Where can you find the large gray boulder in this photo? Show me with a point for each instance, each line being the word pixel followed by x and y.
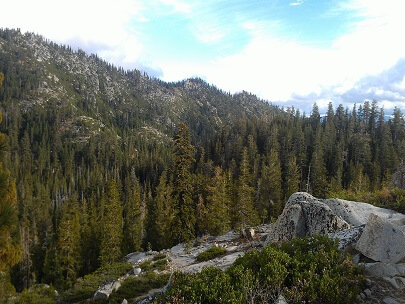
pixel 382 240
pixel 304 215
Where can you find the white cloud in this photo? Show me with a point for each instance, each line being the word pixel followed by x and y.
pixel 296 3
pixel 178 6
pixel 102 24
pixel 279 70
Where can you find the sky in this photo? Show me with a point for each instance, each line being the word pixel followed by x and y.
pixel 289 52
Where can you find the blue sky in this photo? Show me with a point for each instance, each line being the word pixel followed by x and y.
pixel 292 52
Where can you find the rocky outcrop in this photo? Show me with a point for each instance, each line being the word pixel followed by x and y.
pixel 304 215
pixel 382 240
pixel 374 235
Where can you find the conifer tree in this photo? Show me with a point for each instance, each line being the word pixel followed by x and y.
pixel 69 241
pixel 274 179
pixel 245 214
pixel 183 225
pixel 133 223
pixel 163 215
pixel 218 217
pixel 10 251
pixel 111 234
pixel 318 180
pixel 292 176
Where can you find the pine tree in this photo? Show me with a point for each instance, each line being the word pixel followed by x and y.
pixel 218 217
pixel 163 215
pixel 245 214
pixel 292 176
pixel 318 182
pixel 133 223
pixel 183 225
pixel 274 180
pixel 69 241
pixel 10 251
pixel 112 225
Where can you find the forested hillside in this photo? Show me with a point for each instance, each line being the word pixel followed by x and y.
pixel 108 161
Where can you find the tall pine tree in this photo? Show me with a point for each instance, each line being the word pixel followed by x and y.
pixel 112 225
pixel 183 225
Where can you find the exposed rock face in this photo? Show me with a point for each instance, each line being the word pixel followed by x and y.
pixel 398 178
pixel 304 215
pixel 382 241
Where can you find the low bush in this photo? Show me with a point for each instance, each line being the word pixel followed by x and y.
pixel 137 286
pixel 210 254
pixel 85 287
pixel 159 256
pixel 309 270
pixel 39 294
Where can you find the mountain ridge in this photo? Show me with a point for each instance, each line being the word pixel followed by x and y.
pixel 45 72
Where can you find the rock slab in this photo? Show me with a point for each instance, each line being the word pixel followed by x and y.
pixel 382 241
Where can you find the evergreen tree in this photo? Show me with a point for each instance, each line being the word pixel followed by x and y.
pixel 112 225
pixel 218 217
pixel 10 251
pixel 318 181
pixel 184 208
pixel 292 176
pixel 245 214
pixel 133 223
pixel 162 216
pixel 69 241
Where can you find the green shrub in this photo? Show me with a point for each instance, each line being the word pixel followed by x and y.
pixel 136 286
pixel 85 287
pixel 309 270
pixel 38 294
pixel 159 256
pixel 210 254
pixel 391 198
pixel 150 265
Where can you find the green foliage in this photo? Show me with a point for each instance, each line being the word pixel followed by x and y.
pixel 159 264
pixel 184 209
pixel 134 287
pixel 309 270
pixel 245 214
pixel 391 198
pixel 211 253
pixel 218 204
pixel 84 288
pixel 38 294
pixel 82 137
pixel 69 241
pixel 159 256
pixel 112 226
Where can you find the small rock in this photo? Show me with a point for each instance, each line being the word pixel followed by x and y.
pixel 100 295
pixel 385 269
pixel 362 296
pixel 367 293
pixel 281 300
pixel 389 300
pixel 392 281
pixel 124 301
pixel 369 283
pixel 356 258
pixel 136 271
